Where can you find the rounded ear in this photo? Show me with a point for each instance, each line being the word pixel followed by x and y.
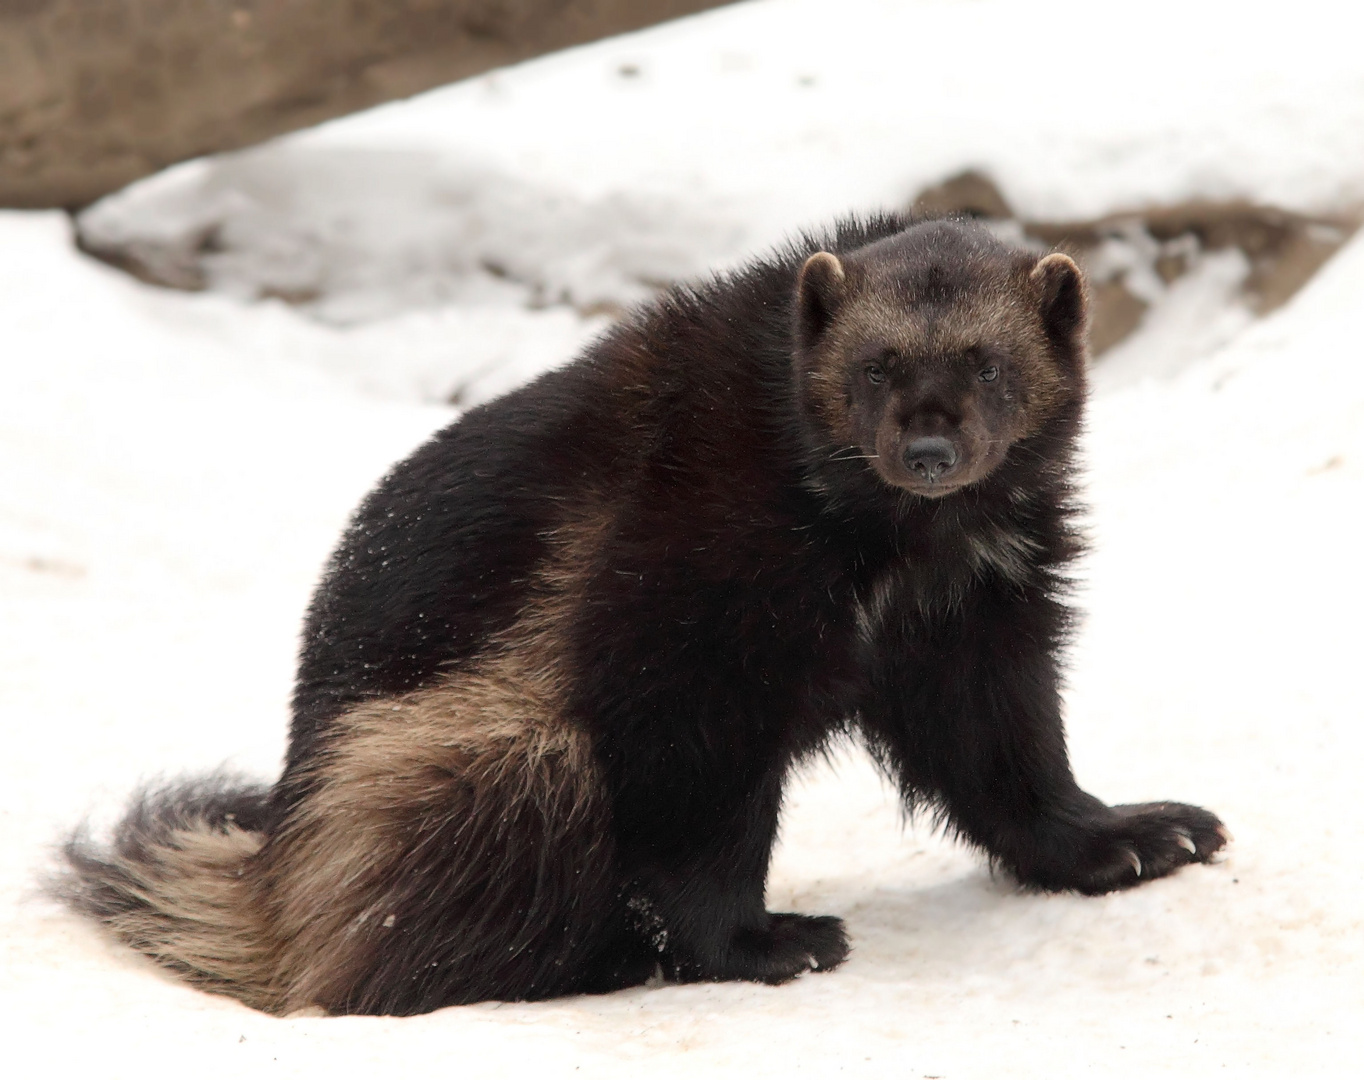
pixel 1061 295
pixel 819 292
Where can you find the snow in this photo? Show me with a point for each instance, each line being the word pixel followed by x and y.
pixel 175 467
pixel 586 177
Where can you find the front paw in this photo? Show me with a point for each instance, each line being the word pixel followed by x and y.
pixel 807 942
pixel 1124 846
pixel 789 945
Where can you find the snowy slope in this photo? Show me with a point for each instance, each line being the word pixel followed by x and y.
pixel 577 183
pixel 174 468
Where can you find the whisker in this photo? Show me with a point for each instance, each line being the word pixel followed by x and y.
pixel 852 453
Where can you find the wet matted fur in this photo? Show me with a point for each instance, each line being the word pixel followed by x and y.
pixel 564 658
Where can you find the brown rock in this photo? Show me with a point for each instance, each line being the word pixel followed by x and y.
pixel 95 94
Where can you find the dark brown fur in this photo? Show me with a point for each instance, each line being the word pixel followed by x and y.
pixel 568 652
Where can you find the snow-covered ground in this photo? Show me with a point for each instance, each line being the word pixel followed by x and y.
pixel 175 467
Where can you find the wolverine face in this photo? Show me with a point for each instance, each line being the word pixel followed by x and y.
pixel 933 423
pixel 931 353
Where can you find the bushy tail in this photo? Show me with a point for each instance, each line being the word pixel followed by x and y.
pixel 174 885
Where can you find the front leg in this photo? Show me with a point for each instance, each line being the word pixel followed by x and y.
pixel 964 709
pixel 694 755
pixel 696 891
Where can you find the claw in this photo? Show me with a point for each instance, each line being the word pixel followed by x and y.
pixel 1185 841
pixel 1225 834
pixel 1134 859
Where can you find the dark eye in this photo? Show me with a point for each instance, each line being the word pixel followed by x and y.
pixel 990 374
pixel 875 373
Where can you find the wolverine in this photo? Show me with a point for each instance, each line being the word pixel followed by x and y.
pixel 559 668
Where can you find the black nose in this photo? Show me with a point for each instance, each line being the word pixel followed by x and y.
pixel 929 457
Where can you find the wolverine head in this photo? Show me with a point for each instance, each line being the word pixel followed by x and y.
pixel 932 352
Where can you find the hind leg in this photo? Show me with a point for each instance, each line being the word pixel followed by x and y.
pixel 448 846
